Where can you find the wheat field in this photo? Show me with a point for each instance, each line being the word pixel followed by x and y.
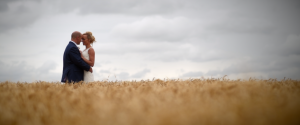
pixel 158 102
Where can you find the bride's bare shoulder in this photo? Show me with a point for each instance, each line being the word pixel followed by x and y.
pixel 91 50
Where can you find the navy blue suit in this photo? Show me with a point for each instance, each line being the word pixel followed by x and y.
pixel 73 65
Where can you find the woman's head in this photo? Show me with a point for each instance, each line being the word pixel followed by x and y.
pixel 88 38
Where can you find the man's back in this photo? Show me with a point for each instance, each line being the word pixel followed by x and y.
pixel 73 65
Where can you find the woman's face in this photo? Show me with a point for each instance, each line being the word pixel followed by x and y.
pixel 85 40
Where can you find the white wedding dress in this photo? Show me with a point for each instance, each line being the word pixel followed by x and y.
pixel 87 75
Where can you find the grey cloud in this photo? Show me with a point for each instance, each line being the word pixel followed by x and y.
pixel 193 74
pixel 22 71
pixel 240 12
pixel 155 29
pixel 19 14
pixel 126 75
pixel 168 56
pixel 273 67
pixel 244 28
pixel 274 59
pixel 267 32
pixel 15 71
pixel 3 5
pixel 47 66
pixel 253 8
pixel 167 52
pixel 228 47
pixel 141 73
pixel 247 26
pixel 136 7
pixel 104 71
pixel 230 17
pixel 291 45
pixel 123 75
pixel 281 45
pixel 136 47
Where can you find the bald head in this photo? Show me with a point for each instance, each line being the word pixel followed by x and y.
pixel 76 37
pixel 75 34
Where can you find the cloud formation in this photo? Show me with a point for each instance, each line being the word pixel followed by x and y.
pixel 22 71
pixel 230 37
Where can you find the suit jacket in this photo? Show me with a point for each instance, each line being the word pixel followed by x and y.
pixel 73 64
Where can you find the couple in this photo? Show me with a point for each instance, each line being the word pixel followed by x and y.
pixel 77 65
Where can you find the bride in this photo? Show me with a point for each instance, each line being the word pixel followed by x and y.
pixel 88 55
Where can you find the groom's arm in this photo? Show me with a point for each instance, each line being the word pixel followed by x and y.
pixel 76 58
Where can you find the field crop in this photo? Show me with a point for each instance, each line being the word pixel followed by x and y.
pixel 157 102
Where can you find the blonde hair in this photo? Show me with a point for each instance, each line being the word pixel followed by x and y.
pixel 90 36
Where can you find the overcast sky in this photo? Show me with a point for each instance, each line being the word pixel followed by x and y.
pixel 142 39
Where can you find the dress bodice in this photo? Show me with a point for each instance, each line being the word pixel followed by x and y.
pixel 85 53
pixel 87 75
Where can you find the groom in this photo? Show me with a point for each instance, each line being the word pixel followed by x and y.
pixel 73 65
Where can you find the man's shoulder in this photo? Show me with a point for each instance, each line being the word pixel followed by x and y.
pixel 71 45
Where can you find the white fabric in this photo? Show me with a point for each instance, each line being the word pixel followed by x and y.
pixel 87 75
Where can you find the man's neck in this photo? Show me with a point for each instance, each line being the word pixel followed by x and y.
pixel 74 42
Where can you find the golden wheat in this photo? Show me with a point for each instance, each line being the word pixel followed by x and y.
pixel 158 102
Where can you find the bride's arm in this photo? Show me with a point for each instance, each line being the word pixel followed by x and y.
pixel 91 56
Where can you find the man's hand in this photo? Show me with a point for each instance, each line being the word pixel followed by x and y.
pixel 91 70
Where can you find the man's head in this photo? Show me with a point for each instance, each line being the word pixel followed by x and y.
pixel 76 37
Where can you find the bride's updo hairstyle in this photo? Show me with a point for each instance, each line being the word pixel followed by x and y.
pixel 90 36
